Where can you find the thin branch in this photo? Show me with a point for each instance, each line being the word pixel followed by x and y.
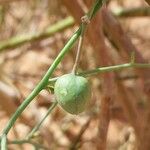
pixel 132 12
pixel 85 21
pixel 28 38
pixel 36 128
pixel 78 55
pixel 114 68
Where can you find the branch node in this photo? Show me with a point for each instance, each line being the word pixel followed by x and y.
pixel 85 19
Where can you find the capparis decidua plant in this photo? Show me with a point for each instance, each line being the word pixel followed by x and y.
pixel 72 91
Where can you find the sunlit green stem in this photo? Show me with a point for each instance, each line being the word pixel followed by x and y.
pixel 113 68
pixel 4 142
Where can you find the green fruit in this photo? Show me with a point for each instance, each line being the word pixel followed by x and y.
pixel 72 93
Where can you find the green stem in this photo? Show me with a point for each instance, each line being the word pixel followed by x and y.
pixel 106 69
pixel 4 142
pixel 22 39
pixel 42 83
pixel 113 68
pixel 36 128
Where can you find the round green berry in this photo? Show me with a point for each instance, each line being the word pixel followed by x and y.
pixel 72 93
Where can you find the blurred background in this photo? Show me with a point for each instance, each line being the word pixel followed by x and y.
pixel 32 33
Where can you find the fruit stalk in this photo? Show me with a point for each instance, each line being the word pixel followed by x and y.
pixel 85 21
